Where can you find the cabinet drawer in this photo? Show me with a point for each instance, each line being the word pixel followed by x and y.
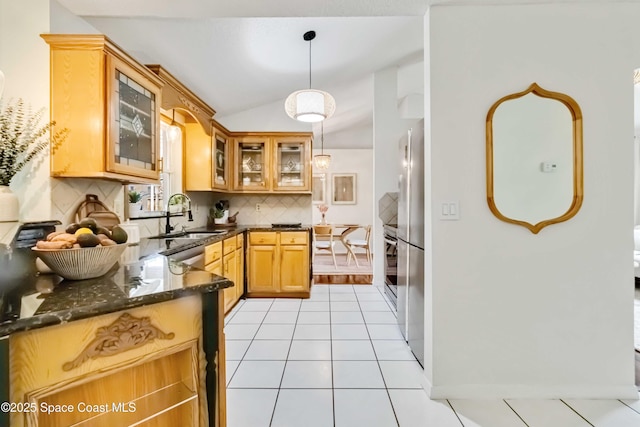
pixel 262 238
pixel 229 245
pixel 212 252
pixel 294 238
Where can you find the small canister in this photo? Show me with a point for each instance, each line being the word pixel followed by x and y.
pixel 133 231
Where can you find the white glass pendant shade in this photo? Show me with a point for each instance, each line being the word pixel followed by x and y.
pixel 322 161
pixel 310 105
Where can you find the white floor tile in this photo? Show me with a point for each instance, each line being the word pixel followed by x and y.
pixel 414 409
pixel 367 289
pixel 374 306
pixel 270 331
pixel 307 374
pixel 334 289
pixel 239 331
pixel 281 317
pixel 353 350
pixel 380 317
pixel 346 317
pixel 316 297
pixel 268 350
pixel 258 374
pixel 314 306
pixel 247 317
pixel 345 306
pixel 384 332
pixel 308 408
pixel 349 332
pixel 235 349
pixel 634 404
pixel 370 296
pixel 370 408
pixel 286 305
pixel 230 369
pixel 312 332
pixel 546 413
pixel 485 412
pixel 310 350
pixel 402 374
pixel 339 296
pixel 605 413
pixel 314 318
pixel 256 304
pixel 319 289
pixel 250 408
pixel 392 350
pixel 356 374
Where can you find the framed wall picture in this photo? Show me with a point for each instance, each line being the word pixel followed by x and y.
pixel 344 189
pixel 319 189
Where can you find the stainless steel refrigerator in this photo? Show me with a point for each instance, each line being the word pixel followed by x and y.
pixel 411 240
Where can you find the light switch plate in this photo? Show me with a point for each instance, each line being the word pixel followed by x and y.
pixel 449 210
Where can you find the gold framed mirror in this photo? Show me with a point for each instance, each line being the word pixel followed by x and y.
pixel 534 158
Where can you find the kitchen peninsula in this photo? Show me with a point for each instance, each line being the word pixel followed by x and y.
pixel 153 324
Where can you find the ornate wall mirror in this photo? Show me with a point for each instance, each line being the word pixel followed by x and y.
pixel 534 158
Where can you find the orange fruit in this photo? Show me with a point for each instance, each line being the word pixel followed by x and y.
pixel 83 230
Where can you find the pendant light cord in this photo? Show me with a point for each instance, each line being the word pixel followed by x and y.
pixel 309 64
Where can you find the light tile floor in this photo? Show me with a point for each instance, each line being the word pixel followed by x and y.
pixel 338 359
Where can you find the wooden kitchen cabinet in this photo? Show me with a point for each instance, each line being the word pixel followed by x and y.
pixel 278 264
pixel 233 269
pixel 272 162
pixel 221 161
pixel 111 106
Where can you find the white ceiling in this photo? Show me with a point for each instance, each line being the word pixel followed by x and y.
pixel 240 55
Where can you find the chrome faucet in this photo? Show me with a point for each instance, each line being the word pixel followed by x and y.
pixel 168 228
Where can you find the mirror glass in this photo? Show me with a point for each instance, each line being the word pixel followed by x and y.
pixel 534 158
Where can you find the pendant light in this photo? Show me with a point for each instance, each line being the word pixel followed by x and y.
pixel 174 129
pixel 322 161
pixel 310 105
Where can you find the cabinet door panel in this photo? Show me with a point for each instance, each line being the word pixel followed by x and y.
pixel 240 274
pixel 214 267
pixel 252 163
pixel 221 161
pixel 230 270
pixel 262 269
pixel 294 268
pixel 292 164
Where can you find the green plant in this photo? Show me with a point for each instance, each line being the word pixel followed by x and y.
pixel 22 138
pixel 218 210
pixel 134 196
pixel 177 199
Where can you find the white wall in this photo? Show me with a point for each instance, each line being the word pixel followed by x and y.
pixel 388 128
pixel 516 314
pixel 360 162
pixel 24 59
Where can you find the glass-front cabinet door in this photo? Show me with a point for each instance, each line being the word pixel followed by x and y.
pixel 134 122
pixel 292 164
pixel 220 161
pixel 251 157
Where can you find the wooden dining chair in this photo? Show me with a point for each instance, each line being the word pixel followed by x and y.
pixel 360 243
pixel 323 241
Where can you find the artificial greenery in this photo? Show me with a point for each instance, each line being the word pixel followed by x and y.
pixel 134 196
pixel 218 209
pixel 22 138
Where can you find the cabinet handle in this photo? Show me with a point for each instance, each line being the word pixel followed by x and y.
pixel 293 240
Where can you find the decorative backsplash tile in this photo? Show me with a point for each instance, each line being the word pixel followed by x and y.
pixel 68 193
pixel 273 208
pixel 388 208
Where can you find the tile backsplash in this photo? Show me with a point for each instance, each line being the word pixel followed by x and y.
pixel 388 208
pixel 68 193
pixel 273 208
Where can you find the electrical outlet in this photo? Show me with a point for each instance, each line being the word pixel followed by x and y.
pixel 258 207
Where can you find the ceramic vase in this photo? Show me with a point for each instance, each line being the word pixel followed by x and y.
pixel 324 221
pixel 10 210
pixel 135 209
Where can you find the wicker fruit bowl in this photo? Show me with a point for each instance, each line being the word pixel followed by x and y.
pixel 81 263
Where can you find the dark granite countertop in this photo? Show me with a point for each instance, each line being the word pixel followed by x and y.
pixel 30 300
pixel 145 275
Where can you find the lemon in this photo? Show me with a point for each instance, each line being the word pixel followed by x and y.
pixel 83 230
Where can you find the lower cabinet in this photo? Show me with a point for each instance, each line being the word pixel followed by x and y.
pixel 227 260
pixel 156 351
pixel 278 264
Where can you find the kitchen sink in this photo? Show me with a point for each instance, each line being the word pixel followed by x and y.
pixel 190 235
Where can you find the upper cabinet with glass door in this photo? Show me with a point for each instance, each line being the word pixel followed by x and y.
pixel 221 161
pixel 292 163
pixel 110 104
pixel 252 163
